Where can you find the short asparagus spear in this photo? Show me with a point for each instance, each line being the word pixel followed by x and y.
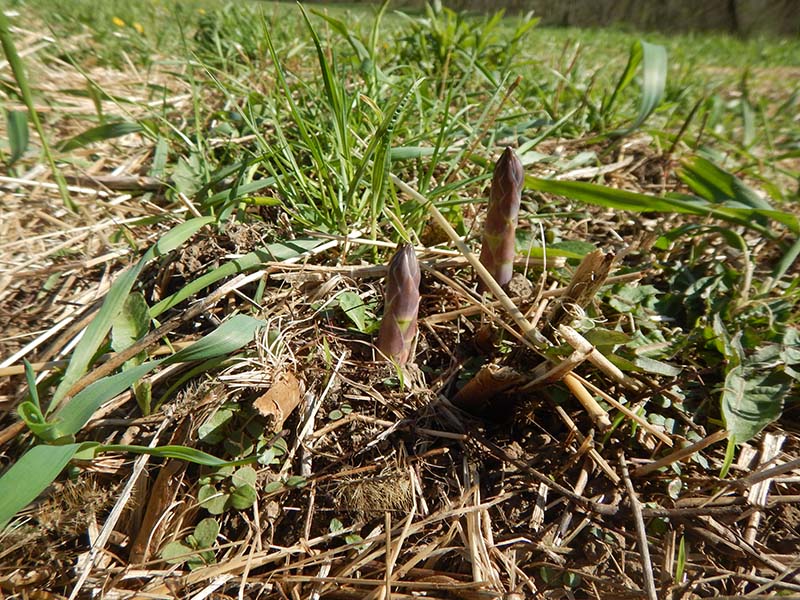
pixel 399 324
pixel 498 250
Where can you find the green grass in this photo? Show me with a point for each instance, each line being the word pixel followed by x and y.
pixel 296 119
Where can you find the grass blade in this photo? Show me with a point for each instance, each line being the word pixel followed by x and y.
pixel 18 69
pixel 30 475
pixel 17 125
pixel 278 252
pixel 718 185
pixel 228 337
pixel 624 200
pixel 653 59
pixel 96 332
pixel 100 133
pixel 185 453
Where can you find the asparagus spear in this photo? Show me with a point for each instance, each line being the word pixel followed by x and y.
pixel 399 324
pixel 505 194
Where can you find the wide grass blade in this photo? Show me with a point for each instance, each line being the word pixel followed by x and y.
pixel 30 475
pixel 38 467
pixel 95 333
pixel 100 133
pixel 228 337
pixel 185 453
pixel 653 60
pixel 277 252
pixel 718 185
pixel 17 125
pixel 624 200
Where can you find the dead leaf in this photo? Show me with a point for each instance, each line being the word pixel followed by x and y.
pixel 278 402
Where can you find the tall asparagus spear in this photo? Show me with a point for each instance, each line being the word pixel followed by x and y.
pixel 505 194
pixel 399 324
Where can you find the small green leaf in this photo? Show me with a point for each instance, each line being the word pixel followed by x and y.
pixel 206 532
pixel 188 175
pixel 245 476
pixel 355 309
pixel 17 126
pixel 244 492
pixel 606 337
pixel 210 498
pixel 296 481
pixel 571 579
pixel 335 525
pixel 242 497
pixel 176 553
pixel 273 486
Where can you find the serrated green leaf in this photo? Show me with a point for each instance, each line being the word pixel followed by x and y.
pixel 30 475
pixel 606 337
pixel 752 398
pixel 17 126
pixel 100 133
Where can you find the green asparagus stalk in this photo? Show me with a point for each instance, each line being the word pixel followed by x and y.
pixel 399 324
pixel 499 247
